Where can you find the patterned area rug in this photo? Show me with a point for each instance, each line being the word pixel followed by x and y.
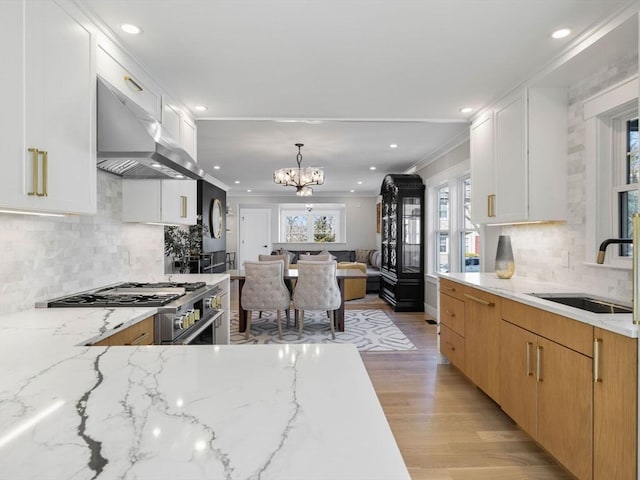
pixel 368 330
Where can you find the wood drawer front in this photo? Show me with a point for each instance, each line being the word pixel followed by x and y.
pixel 109 69
pixel 452 346
pixel 139 334
pixel 453 289
pixel 565 331
pixel 452 313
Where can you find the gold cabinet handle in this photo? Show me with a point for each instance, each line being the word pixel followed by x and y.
pixel 450 346
pixel 35 154
pixel 127 78
pixel 45 174
pixel 449 289
pixel 528 358
pixel 538 366
pixel 183 201
pixel 596 360
pixel 450 314
pixel 479 300
pixel 491 205
pixel 139 340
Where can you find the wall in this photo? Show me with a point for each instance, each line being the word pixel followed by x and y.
pixel 361 219
pixel 537 248
pixel 47 257
pixel 206 194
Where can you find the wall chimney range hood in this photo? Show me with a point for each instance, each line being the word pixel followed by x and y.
pixel 132 144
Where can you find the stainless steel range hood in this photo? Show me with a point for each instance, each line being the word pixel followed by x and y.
pixel 132 144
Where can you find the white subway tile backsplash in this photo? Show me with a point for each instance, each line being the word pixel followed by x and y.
pixel 45 257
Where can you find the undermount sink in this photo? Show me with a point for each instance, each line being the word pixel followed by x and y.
pixel 589 303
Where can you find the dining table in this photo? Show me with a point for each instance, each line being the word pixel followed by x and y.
pixel 290 274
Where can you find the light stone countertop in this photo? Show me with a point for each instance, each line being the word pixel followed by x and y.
pixel 185 412
pixel 517 288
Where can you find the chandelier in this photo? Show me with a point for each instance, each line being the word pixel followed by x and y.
pixel 299 177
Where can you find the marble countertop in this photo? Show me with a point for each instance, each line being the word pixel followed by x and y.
pixel 518 288
pixel 190 412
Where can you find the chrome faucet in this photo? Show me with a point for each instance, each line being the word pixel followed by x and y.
pixel 607 242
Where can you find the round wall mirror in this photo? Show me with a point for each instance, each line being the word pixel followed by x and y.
pixel 215 218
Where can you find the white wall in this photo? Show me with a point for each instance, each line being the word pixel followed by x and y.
pixel 46 257
pixel 360 211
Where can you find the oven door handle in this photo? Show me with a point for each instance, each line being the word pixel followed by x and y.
pixel 197 328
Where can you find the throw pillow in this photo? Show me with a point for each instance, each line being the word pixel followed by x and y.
pixel 315 258
pixel 376 259
pixel 291 255
pixel 362 256
pixel 327 253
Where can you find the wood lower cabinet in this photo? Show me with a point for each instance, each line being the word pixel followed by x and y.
pixel 139 334
pixel 482 340
pixel 615 414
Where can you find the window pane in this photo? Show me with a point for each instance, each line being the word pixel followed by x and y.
pixel 466 199
pixel 628 206
pixel 471 252
pixel 296 228
pixel 633 161
pixel 443 252
pixel 324 228
pixel 443 208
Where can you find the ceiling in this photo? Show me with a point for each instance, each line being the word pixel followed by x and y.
pixel 347 78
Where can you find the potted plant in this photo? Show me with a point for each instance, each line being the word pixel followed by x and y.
pixel 183 242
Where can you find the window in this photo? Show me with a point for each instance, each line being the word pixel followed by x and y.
pixel 627 165
pixel 324 223
pixel 470 238
pixel 442 230
pixel 453 241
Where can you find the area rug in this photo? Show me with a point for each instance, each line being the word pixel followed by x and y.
pixel 368 330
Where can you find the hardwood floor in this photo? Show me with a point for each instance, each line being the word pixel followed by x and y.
pixel 446 428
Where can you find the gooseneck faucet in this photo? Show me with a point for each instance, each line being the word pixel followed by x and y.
pixel 607 242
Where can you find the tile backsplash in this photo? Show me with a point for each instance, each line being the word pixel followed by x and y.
pixel 46 257
pixel 538 248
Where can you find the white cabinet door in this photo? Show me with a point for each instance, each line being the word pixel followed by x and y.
pixel 511 161
pixel 159 201
pixel 171 120
pixel 188 136
pixel 482 170
pixel 57 107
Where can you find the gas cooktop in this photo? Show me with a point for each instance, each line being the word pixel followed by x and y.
pixel 131 294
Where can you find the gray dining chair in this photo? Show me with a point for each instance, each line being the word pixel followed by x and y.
pixel 316 289
pixel 264 290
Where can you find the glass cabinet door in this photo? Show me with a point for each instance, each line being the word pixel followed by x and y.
pixel 411 228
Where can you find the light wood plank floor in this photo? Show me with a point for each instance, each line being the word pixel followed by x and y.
pixel 446 428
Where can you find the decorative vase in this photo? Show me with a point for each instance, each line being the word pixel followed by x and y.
pixel 504 265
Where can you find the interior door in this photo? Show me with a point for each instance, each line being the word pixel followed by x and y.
pixel 255 234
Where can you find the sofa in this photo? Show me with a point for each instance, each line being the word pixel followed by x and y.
pixel 370 258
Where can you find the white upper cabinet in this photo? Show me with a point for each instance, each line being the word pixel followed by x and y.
pixel 47 83
pixel 159 201
pixel 188 136
pixel 131 84
pixel 180 126
pixel 519 159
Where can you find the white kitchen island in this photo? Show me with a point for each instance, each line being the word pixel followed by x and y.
pixel 69 411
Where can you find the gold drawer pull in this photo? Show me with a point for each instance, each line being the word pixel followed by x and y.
pixel 538 366
pixel 450 289
pixel 528 358
pixel 183 203
pixel 127 78
pixel 139 340
pixel 451 314
pixel 45 174
pixel 450 345
pixel 479 300
pixel 34 187
pixel 596 360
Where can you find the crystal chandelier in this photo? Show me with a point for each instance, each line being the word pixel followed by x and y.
pixel 299 177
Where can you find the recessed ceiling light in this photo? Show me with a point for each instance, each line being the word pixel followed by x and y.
pixel 562 33
pixel 156 165
pixel 237 181
pixel 249 191
pixel 466 110
pixel 130 28
pixel 352 191
pixel 372 168
pixel 200 108
pixel 179 176
pixel 393 145
pixel 359 182
pixel 216 167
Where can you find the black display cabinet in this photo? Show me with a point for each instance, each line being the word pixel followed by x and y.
pixel 402 236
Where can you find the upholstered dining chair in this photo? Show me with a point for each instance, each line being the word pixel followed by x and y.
pixel 287 283
pixel 264 290
pixel 316 289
